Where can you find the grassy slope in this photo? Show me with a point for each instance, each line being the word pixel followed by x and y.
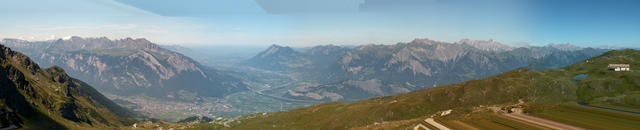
pixel 542 87
pixel 584 117
pixel 48 91
pixel 486 120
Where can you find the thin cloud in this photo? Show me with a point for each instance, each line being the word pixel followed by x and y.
pixel 88 27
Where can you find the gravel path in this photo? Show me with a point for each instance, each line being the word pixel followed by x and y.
pixel 436 124
pixel 421 127
pixel 543 122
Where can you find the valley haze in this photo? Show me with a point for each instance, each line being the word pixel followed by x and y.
pixel 319 64
pixel 168 84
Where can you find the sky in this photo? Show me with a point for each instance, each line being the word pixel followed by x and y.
pixel 591 23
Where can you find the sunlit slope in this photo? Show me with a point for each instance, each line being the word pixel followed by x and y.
pixel 35 98
pixel 557 86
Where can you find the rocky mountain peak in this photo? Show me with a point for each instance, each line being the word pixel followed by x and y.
pixel 276 50
pixel 424 41
pixel 56 69
pixel 138 42
pixel 326 50
pixel 566 46
pixel 276 47
pixel 279 58
pixel 74 38
pixel 488 45
pixel 13 40
pixel 79 43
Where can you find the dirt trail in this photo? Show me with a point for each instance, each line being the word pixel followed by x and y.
pixel 420 127
pixel 436 124
pixel 543 122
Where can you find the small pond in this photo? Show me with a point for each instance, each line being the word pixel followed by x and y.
pixel 580 76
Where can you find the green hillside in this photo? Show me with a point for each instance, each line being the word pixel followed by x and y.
pixel 598 86
pixel 36 98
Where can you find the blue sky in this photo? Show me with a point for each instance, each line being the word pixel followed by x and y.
pixel 312 22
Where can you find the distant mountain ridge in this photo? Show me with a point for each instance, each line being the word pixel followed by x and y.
pixel 129 67
pixel 279 58
pixel 376 70
pixel 36 98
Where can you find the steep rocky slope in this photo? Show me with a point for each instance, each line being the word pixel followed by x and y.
pixel 47 98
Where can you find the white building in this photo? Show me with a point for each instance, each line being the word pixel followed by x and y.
pixel 619 67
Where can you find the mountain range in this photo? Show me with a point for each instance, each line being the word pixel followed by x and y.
pixel 129 67
pixel 349 74
pixel 478 76
pixel 555 94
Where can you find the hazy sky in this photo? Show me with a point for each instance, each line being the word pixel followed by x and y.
pixel 312 22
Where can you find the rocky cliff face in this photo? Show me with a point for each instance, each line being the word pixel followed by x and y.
pixel 375 70
pixel 50 99
pixel 128 66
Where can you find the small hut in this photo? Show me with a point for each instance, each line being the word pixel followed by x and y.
pixel 619 67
